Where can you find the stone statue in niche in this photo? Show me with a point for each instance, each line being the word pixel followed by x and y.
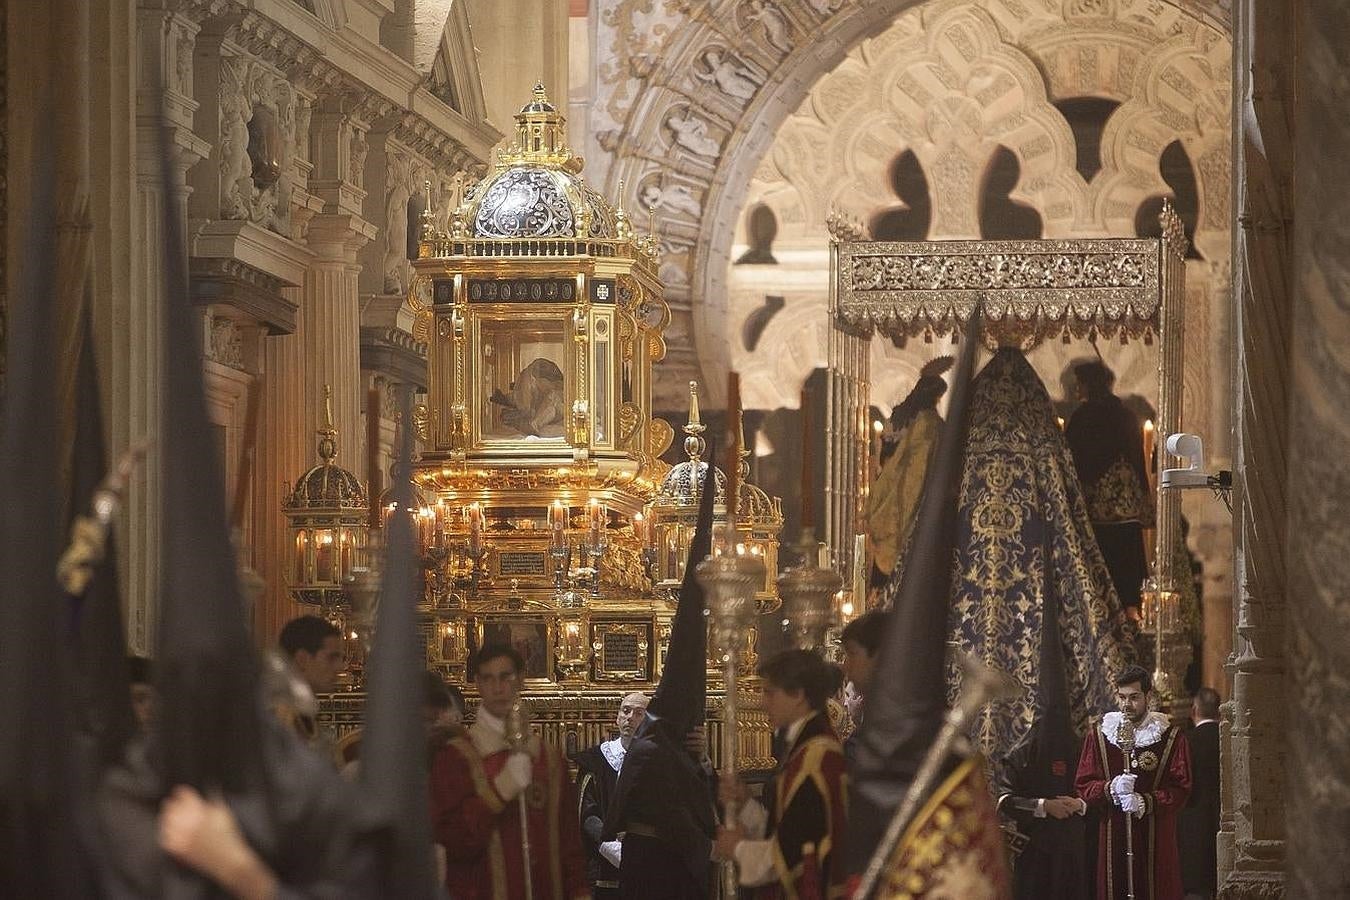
pixel 396 222
pixel 359 150
pixel 691 133
pixel 732 78
pixel 775 24
pixel 676 197
pixel 183 63
pixel 235 165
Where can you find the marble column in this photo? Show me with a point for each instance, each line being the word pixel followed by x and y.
pixel 1318 689
pixel 1252 852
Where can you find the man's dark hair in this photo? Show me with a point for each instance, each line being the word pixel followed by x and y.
pixel 1135 675
pixel 140 670
pixel 1096 379
pixel 1207 702
pixel 306 633
pixel 802 670
pixel 868 630
pixel 488 652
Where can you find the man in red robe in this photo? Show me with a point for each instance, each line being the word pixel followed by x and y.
pixel 1149 784
pixel 477 782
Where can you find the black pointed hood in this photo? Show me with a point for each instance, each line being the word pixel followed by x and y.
pixel 207 675
pixel 103 685
pixel 1054 746
pixel 394 789
pixel 907 700
pixel 681 698
pixel 40 853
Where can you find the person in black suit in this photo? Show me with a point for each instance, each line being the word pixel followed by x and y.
pixel 1199 822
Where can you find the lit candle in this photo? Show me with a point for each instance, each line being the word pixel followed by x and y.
pixel 807 519
pixel 733 498
pixel 1059 420
pixel 640 529
pixel 323 556
pixel 1148 445
pixel 557 522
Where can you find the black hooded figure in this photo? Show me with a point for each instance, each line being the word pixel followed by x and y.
pixel 663 805
pixel 1036 789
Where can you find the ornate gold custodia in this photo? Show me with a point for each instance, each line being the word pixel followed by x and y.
pixel 545 507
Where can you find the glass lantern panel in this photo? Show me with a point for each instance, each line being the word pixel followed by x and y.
pixel 522 394
pixel 300 575
pixel 325 556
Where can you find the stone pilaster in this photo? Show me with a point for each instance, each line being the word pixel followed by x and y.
pixel 1318 779
pixel 1253 852
pixel 330 312
pixel 285 454
pixel 164 45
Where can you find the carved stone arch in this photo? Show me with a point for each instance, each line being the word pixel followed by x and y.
pixel 649 54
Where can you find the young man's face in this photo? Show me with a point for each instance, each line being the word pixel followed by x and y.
pixel 498 684
pixel 1132 701
pixel 322 668
pixel 629 717
pixel 858 665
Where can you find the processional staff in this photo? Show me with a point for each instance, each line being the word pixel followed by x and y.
pixel 1125 740
pixel 730 577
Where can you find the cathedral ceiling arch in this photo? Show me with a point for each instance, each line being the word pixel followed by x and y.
pixel 691 95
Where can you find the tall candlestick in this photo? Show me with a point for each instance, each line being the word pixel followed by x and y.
pixel 475 527
pixel 807 519
pixel 373 454
pixel 640 529
pixel 734 447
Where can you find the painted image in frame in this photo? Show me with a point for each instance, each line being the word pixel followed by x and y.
pixel 529 638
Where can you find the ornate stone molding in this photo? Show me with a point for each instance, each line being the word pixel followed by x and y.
pixel 252 293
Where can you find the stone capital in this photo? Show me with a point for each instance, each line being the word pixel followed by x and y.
pixel 338 236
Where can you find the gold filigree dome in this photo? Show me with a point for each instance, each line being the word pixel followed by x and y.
pixel 327 485
pixel 536 189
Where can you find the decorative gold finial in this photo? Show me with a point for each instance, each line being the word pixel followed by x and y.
pixel 694 444
pixel 428 220
pixel 327 433
pixel 743 454
pixel 623 227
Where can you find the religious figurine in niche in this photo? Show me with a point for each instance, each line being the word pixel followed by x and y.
pixel 535 406
pixel 731 78
pixel 691 133
pixel 775 25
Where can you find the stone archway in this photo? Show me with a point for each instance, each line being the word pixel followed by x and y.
pixel 688 101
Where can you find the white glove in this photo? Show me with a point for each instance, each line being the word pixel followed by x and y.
pixel 1132 803
pixel 515 776
pixel 611 851
pixel 1123 785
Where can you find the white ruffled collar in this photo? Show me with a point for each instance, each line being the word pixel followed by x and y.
pixel 614 752
pixel 1146 734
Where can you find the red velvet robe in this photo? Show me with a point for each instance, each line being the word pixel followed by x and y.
pixel 809 817
pixel 1164 779
pixel 481 832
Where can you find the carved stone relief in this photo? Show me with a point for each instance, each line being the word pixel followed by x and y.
pixel 258 128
